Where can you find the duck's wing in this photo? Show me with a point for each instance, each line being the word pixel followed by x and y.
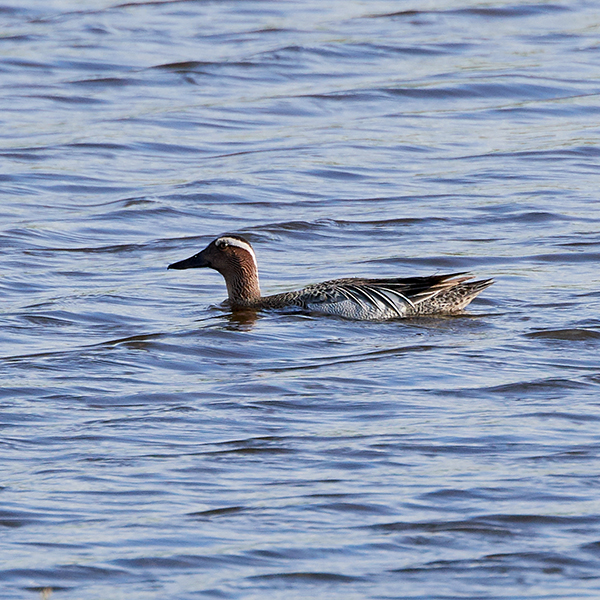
pixel 375 298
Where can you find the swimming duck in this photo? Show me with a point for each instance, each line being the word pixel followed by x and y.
pixel 353 298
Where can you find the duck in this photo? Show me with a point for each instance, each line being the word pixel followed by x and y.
pixel 354 298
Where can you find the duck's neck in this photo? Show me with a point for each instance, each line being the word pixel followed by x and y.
pixel 242 285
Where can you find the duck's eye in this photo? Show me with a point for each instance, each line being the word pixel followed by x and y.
pixel 222 244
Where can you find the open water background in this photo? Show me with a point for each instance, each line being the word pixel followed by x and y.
pixel 153 446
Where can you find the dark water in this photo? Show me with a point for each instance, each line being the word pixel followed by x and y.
pixel 155 446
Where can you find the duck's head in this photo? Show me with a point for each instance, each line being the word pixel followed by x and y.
pixel 233 257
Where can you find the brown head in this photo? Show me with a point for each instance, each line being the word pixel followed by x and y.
pixel 234 258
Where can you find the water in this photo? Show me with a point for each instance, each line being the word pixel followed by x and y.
pixel 156 446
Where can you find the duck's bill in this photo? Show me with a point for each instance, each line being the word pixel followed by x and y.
pixel 193 262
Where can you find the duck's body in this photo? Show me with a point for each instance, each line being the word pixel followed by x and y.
pixel 353 298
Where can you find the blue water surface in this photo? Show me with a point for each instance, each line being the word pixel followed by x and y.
pixel 153 444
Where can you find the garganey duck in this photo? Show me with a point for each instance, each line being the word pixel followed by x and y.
pixel 352 298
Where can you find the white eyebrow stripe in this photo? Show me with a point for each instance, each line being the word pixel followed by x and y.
pixel 240 244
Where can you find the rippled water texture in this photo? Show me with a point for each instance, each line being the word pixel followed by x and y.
pixel 155 446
